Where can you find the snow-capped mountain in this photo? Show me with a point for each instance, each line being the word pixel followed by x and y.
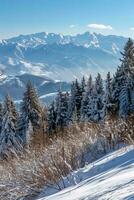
pixel 87 39
pixel 49 56
pixel 60 57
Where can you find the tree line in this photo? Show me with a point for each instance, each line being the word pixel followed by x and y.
pixel 16 127
pixel 88 100
pixel 95 100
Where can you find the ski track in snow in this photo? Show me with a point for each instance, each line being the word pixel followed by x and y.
pixel 109 178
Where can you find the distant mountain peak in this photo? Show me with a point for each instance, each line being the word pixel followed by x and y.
pixel 46 57
pixel 60 56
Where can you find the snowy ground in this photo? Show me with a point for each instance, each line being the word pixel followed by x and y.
pixel 109 178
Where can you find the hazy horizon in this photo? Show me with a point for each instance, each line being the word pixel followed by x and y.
pixel 64 34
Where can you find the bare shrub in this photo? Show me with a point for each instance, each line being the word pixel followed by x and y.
pixel 45 163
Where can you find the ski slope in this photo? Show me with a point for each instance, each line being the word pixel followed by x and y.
pixel 109 178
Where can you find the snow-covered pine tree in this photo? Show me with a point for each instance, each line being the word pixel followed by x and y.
pixel 130 76
pixel 86 97
pixel 9 141
pixel 124 103
pixel 1 115
pixel 78 99
pixel 51 118
pixel 71 103
pixel 92 110
pixel 83 85
pixel 99 85
pixel 123 82
pixel 98 96
pixel 64 110
pixel 13 108
pixel 108 95
pixel 89 82
pixel 91 104
pixel 31 112
pixel 61 110
pixel 114 110
pixel 14 111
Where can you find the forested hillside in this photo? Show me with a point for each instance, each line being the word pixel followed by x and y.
pixel 39 144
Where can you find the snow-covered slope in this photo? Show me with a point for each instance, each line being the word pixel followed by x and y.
pixel 109 178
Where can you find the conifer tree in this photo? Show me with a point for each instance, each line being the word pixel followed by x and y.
pixel 98 95
pixel 71 103
pixel 13 108
pixel 83 85
pixel 61 110
pixel 89 82
pixel 86 97
pixel 9 141
pixel 91 109
pixel 78 99
pixel 123 82
pixel 1 115
pixel 108 94
pixel 51 118
pixel 31 112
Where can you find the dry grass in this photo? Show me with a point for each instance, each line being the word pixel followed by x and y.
pixel 47 160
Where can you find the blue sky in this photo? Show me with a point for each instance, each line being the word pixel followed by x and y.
pixel 66 16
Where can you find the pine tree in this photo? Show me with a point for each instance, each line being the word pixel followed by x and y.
pixel 51 118
pixel 98 97
pixel 124 105
pixel 1 115
pixel 123 82
pixel 86 100
pixel 13 109
pixel 31 112
pixel 99 85
pixel 91 103
pixel 108 95
pixel 90 82
pixel 61 110
pixel 9 141
pixel 83 85
pixel 78 99
pixel 71 103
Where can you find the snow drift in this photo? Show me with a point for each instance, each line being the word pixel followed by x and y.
pixel 111 177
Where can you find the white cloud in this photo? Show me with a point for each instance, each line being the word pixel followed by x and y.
pixel 132 28
pixel 73 26
pixel 100 26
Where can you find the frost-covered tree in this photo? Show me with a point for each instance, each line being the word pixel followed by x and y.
pixel 78 99
pixel 31 111
pixel 61 110
pixel 91 104
pixel 98 97
pixel 13 108
pixel 51 118
pixel 71 103
pixel 89 82
pixel 123 82
pixel 9 141
pixel 83 85
pixel 86 97
pixel 1 115
pixel 108 94
pixel 99 85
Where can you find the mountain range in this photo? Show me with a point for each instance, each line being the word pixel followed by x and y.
pixel 55 59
